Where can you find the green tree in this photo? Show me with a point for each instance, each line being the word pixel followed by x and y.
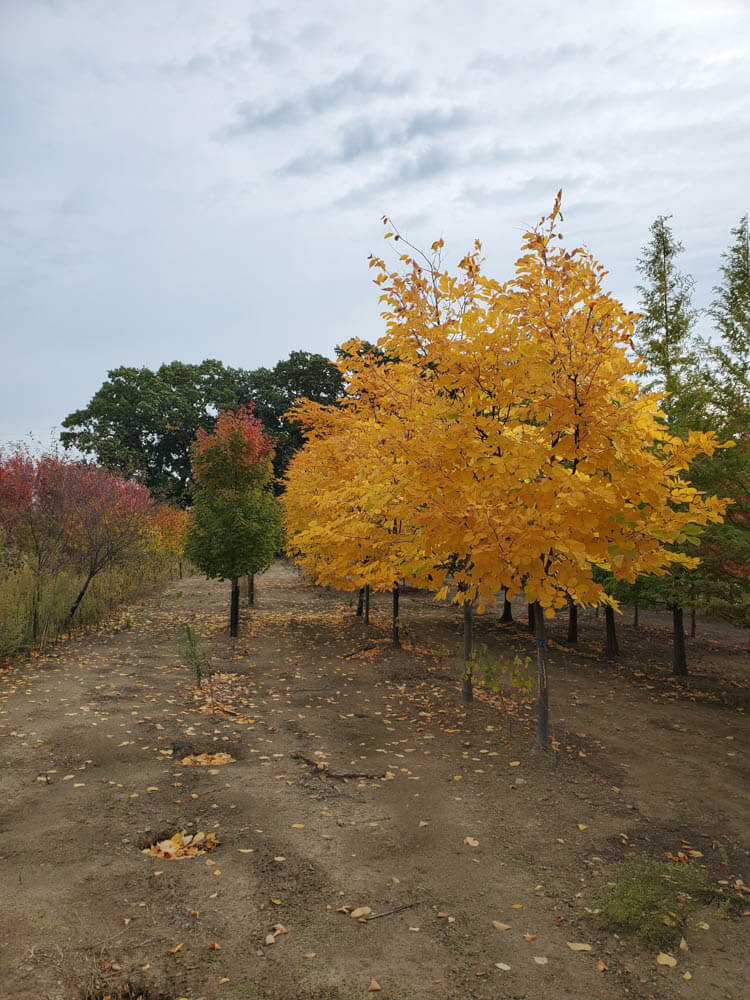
pixel 730 309
pixel 236 526
pixel 664 335
pixel 273 391
pixel 725 549
pixel 140 423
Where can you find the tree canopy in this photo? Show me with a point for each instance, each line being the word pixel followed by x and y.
pixel 140 423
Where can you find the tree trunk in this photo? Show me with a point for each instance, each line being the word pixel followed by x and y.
pixel 80 597
pixel 611 649
pixel 234 608
pixel 635 614
pixel 360 602
pixel 507 610
pixel 179 568
pixel 692 622
pixel 572 622
pixel 679 659
pixel 532 620
pixel 367 604
pixel 35 602
pixel 396 639
pixel 542 718
pixel 467 688
pixel 251 590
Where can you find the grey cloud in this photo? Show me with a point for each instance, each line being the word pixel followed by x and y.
pixel 347 88
pixel 431 162
pixel 565 52
pixel 360 137
pixel 437 160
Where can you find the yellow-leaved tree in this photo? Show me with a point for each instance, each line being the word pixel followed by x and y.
pixel 521 450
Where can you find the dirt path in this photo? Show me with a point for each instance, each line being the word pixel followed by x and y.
pixel 454 826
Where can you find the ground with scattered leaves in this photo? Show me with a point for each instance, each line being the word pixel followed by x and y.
pixel 368 832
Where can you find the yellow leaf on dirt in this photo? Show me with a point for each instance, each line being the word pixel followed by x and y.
pixel 298 826
pixel 500 927
pixel 471 842
pixel 541 959
pixel 177 947
pixel 245 850
pixel 687 975
pixel 373 987
pixel 361 911
pixel 663 959
pixel 223 980
pixel 269 939
pixel 515 763
pixel 601 966
pixel 582 826
pixel 516 906
pixel 578 946
pixel 214 946
pixel 684 946
pixel 309 954
pixel 503 966
pixel 529 937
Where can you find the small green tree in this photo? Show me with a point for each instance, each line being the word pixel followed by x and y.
pixel 236 526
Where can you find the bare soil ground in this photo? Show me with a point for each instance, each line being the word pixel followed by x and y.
pixel 360 780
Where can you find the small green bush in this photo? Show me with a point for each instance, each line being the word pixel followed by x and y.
pixel 651 900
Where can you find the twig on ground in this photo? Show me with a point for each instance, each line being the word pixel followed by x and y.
pixel 396 909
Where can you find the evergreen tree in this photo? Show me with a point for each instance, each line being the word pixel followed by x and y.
pixel 730 309
pixel 664 335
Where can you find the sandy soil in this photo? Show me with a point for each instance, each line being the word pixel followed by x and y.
pixel 445 817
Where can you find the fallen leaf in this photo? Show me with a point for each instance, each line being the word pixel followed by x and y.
pixel 516 906
pixel 529 937
pixel 276 902
pixel 173 951
pixel 309 954
pixel 223 980
pixel 245 850
pixel 541 959
pixel 214 946
pixel 687 975
pixel 578 946
pixel 515 763
pixel 663 959
pixel 601 966
pixel 684 946
pixel 424 822
pixel 503 966
pixel 500 927
pixel 361 911
pixel 298 826
pixel 269 939
pixel 373 987
pixel 206 759
pixel 279 929
pixel 471 842
pixel 582 826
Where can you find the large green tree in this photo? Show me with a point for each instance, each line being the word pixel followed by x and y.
pixel 273 391
pixel 140 423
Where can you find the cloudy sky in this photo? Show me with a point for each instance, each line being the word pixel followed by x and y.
pixel 183 179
